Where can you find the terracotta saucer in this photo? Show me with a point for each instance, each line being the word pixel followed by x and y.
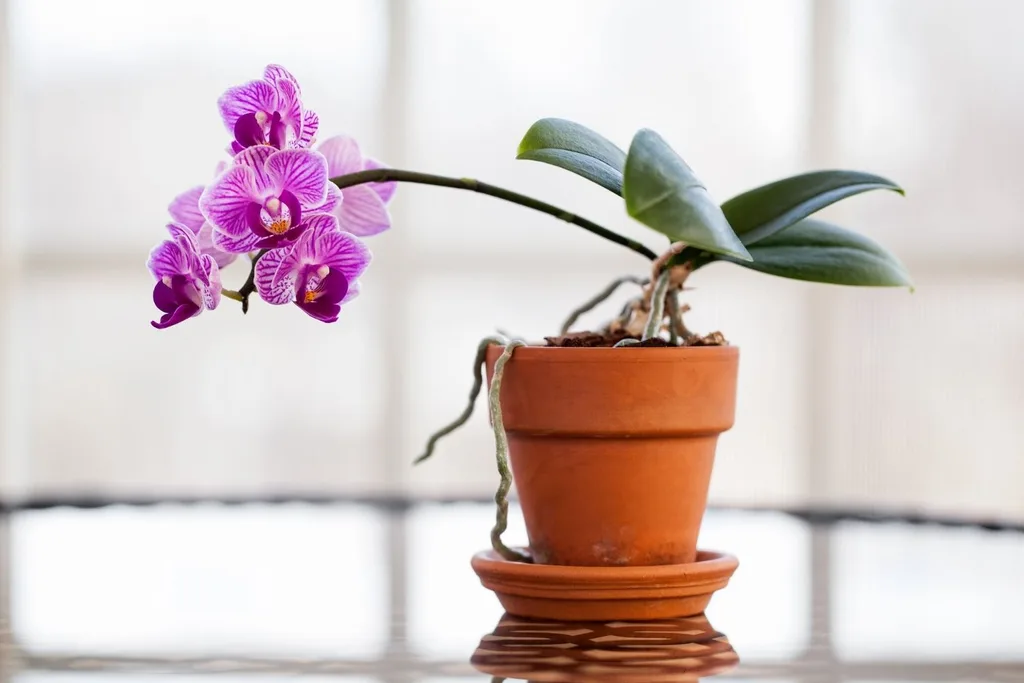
pixel 543 591
pixel 665 651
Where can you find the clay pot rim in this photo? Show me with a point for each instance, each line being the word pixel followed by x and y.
pixel 711 567
pixel 629 354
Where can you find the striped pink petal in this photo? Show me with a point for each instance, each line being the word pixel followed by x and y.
pixel 342 154
pixel 362 212
pixel 302 172
pixel 248 98
pixel 385 190
pixel 276 72
pixel 242 244
pixel 185 209
pixel 310 127
pixel 224 203
pixel 256 159
pixel 273 289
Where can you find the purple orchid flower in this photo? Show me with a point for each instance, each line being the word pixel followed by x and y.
pixel 258 202
pixel 318 274
pixel 268 111
pixel 363 209
pixel 187 282
pixel 184 209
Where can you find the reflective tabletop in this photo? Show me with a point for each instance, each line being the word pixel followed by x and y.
pixel 383 591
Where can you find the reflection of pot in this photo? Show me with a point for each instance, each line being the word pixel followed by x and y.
pixel 670 651
pixel 612 448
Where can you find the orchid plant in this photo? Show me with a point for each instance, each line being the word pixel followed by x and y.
pixel 299 211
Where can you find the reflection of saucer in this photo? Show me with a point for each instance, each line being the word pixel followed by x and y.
pixel 545 591
pixel 668 651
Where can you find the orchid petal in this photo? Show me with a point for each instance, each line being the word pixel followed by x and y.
pixel 254 218
pixel 310 126
pixel 275 73
pixel 333 201
pixel 321 224
pixel 224 203
pixel 248 131
pixel 302 172
pixel 294 208
pixel 386 190
pixel 180 314
pixel 255 158
pixel 328 246
pixel 334 287
pixel 274 290
pixel 163 297
pixel 185 209
pixel 278 132
pixel 290 105
pixel 280 241
pixel 247 98
pixel 241 244
pixel 354 289
pixel 167 259
pixel 323 311
pixel 363 212
pixel 207 245
pixel 211 294
pixel 184 236
pixel 343 155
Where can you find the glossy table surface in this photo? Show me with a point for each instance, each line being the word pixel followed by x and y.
pixel 365 591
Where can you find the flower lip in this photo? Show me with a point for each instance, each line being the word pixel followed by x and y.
pixel 277 220
pixel 179 299
pixel 187 282
pixel 321 297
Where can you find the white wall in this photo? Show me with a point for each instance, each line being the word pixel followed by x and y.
pixel 847 396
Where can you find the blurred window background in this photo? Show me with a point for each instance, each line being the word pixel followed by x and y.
pixel 847 396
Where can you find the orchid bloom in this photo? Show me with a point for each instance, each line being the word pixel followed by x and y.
pixel 184 209
pixel 268 111
pixel 362 211
pixel 258 202
pixel 318 274
pixel 187 282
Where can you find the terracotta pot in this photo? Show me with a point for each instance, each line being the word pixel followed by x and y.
pixel 612 449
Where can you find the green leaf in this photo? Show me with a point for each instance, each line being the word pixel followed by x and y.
pixel 817 251
pixel 575 148
pixel 763 211
pixel 662 192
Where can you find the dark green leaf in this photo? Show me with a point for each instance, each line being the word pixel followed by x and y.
pixel 763 211
pixel 817 251
pixel 662 192
pixel 575 148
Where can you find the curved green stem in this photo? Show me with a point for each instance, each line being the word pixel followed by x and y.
pixel 501 452
pixel 250 284
pixel 378 175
